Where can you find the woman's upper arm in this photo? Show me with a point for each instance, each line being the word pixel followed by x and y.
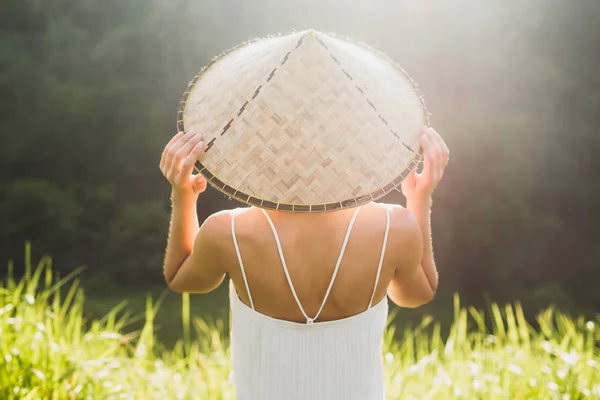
pixel 204 269
pixel 409 287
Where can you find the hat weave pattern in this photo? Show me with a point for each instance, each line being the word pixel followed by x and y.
pixel 304 122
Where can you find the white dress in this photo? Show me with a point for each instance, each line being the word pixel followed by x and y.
pixel 275 359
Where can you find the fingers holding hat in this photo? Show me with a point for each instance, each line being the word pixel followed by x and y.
pixel 181 151
pixel 178 160
pixel 429 153
pixel 187 165
pixel 437 154
pixel 165 154
pixel 170 153
pixel 444 152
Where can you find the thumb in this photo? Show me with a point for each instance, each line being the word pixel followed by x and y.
pixel 412 175
pixel 199 183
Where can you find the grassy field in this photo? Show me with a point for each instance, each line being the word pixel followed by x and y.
pixel 48 350
pixel 101 296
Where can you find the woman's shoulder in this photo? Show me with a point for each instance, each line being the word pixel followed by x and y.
pixel 388 206
pixel 397 212
pixel 401 218
pixel 226 214
pixel 220 221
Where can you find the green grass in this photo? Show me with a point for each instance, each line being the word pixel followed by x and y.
pixel 167 322
pixel 49 351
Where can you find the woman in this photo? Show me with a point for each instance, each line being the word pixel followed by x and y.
pixel 309 291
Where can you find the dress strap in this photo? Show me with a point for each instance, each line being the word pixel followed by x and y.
pixel 285 269
pixel 310 320
pixel 339 261
pixel 239 256
pixel 385 238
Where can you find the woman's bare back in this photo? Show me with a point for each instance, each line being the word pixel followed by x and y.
pixel 311 244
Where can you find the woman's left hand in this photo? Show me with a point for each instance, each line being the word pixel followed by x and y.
pixel 419 187
pixel 177 164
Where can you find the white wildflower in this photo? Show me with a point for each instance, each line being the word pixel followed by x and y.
pixel 570 358
pixel 515 368
pixel 590 326
pixel 389 358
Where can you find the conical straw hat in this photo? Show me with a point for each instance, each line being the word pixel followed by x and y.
pixel 304 122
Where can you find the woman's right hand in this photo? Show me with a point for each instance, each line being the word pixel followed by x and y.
pixel 419 187
pixel 177 164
